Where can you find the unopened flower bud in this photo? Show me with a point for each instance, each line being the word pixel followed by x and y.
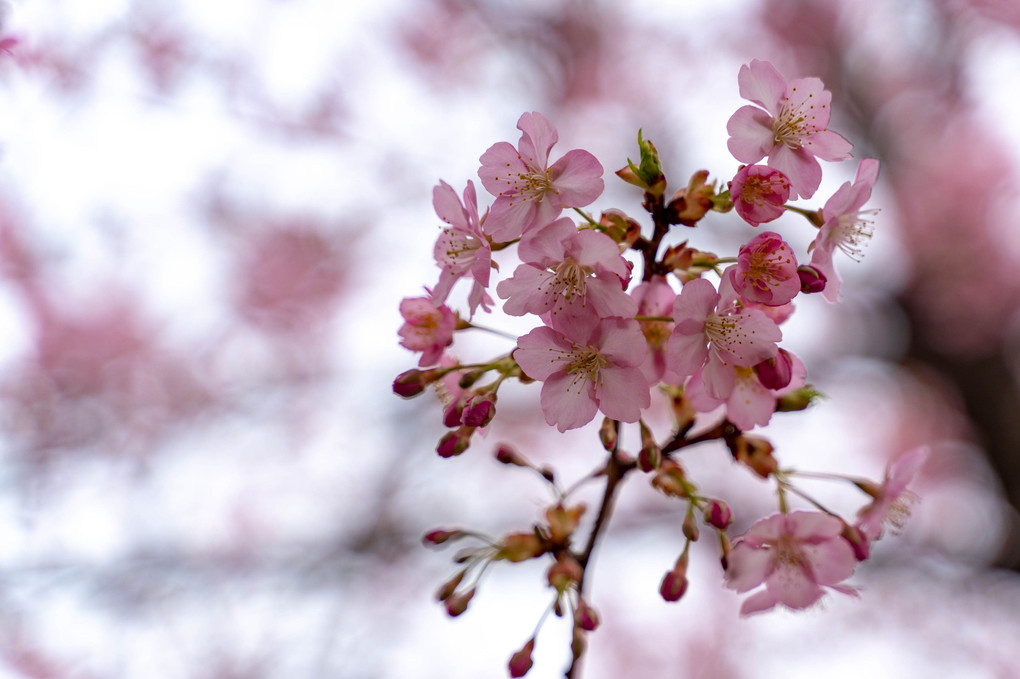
pixel 674 585
pixel 458 602
pixel 649 458
pixel 508 455
pixel 798 399
pixel 438 536
pixel 718 514
pixel 479 410
pixel 447 589
pixel 857 540
pixel 811 279
pixel 453 414
pixel 410 383
pixel 690 527
pixel 521 662
pixel 586 616
pixel 608 435
pixel 468 379
pixel 776 372
pixel 455 442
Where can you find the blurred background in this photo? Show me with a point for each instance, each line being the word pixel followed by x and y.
pixel 209 212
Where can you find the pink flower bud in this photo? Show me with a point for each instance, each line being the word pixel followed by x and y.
pixel 649 458
pixel 458 602
pixel 454 442
pixel 439 536
pixel 586 616
pixel 507 455
pixel 453 414
pixel 811 279
pixel 776 372
pixel 673 586
pixel 410 383
pixel 674 583
pixel 521 662
pixel 718 514
pixel 479 410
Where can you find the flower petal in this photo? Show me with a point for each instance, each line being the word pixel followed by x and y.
pixel 751 135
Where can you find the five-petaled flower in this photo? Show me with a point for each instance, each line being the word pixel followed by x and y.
pixel 529 192
pixel 716 336
pixel 796 556
pixel 571 278
pixel 846 226
pixel 891 504
pixel 427 328
pixel 586 373
pixel 791 130
pixel 462 249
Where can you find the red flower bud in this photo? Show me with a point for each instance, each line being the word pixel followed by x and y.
pixel 586 616
pixel 410 383
pixel 479 410
pixel 454 442
pixel 775 373
pixel 439 536
pixel 718 514
pixel 673 586
pixel 520 662
pixel 811 279
pixel 674 583
pixel 649 458
pixel 453 413
pixel 458 602
pixel 507 455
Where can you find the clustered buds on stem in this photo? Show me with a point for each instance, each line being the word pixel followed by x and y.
pixel 699 329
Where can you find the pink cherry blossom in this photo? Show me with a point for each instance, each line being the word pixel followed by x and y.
pixel 655 298
pixel 529 192
pixel 891 503
pixel 585 374
pixel 766 271
pixel 427 328
pixel 717 337
pixel 791 130
pixel 759 193
pixel 750 404
pixel 462 250
pixel 574 277
pixel 796 556
pixel 846 226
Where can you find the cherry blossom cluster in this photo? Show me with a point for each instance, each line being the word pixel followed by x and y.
pixel 622 317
